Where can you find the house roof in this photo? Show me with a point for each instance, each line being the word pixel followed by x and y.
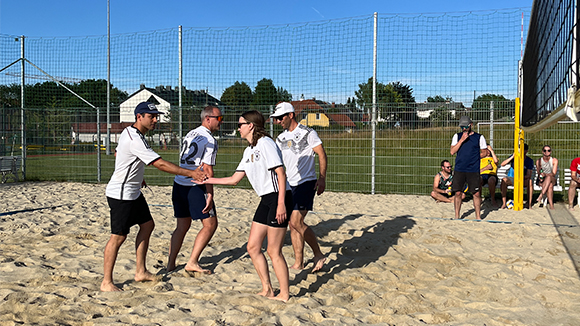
pixel 307 105
pixel 341 119
pixel 189 97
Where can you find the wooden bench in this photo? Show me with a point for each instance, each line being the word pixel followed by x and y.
pixel 9 166
pixel 567 180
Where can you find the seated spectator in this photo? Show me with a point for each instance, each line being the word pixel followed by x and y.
pixel 574 168
pixel 509 179
pixel 547 167
pixel 488 171
pixel 442 184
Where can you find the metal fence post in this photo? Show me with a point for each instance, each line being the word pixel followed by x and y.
pixel 108 141
pixel 491 107
pixel 180 86
pixel 374 116
pixel 98 145
pixel 22 115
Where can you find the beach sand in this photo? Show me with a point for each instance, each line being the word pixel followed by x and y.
pixel 392 260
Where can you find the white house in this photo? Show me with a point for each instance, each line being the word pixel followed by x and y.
pixel 127 108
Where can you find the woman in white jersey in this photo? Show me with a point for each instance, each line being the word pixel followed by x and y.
pixel 262 164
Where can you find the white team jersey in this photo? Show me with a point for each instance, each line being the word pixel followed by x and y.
pixel 198 147
pixel 259 163
pixel 133 153
pixel 296 147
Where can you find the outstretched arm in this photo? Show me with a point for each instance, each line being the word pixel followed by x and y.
pixel 228 181
pixel 166 166
pixel 509 159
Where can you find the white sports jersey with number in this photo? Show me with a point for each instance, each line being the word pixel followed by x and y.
pixel 259 163
pixel 296 147
pixel 198 147
pixel 132 154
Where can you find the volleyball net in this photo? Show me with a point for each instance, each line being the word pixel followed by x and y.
pixel 549 70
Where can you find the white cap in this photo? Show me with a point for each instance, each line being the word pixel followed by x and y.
pixel 281 109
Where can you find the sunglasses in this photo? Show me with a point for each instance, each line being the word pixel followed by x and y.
pixel 448 167
pixel 547 150
pixel 219 118
pixel 280 118
pixel 464 127
pixel 240 124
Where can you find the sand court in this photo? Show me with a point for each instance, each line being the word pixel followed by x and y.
pixel 392 259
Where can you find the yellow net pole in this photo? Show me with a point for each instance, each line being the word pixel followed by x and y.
pixel 518 162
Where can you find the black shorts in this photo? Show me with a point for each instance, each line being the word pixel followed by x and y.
pixel 485 178
pixel 189 201
pixel 126 213
pixel 469 178
pixel 303 196
pixel 266 211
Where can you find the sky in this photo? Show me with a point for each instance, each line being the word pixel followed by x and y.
pixel 61 18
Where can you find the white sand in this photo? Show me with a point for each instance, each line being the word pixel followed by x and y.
pixel 392 260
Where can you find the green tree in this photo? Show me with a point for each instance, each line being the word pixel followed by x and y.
pixel 404 91
pixel 385 94
pixel 283 95
pixel 265 93
pixel 503 107
pixel 438 98
pixel 238 96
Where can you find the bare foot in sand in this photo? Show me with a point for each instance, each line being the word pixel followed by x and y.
pixel 318 263
pixel 196 269
pixel 147 277
pixel 268 293
pixel 297 267
pixel 280 297
pixel 109 287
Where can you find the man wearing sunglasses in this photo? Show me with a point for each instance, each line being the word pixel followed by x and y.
pixel 192 201
pixel 468 145
pixel 442 184
pixel 299 144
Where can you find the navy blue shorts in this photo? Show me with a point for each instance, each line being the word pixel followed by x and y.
pixel 303 195
pixel 266 211
pixel 189 201
pixel 126 213
pixel 485 178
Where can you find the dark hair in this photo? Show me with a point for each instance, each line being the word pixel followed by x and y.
pixel 257 119
pixel 526 147
pixel 444 161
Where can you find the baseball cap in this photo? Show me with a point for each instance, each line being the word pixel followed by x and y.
pixel 146 107
pixel 281 109
pixel 464 121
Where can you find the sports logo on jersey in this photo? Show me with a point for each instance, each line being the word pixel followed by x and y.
pixel 256 156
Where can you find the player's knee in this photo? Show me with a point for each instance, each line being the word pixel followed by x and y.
pixel 211 223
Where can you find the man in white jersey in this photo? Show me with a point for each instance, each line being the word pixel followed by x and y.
pixel 127 204
pixel 299 144
pixel 192 201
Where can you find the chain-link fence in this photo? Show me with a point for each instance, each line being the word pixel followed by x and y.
pixel 62 144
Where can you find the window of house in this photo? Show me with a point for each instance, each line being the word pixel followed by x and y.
pixel 317 116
